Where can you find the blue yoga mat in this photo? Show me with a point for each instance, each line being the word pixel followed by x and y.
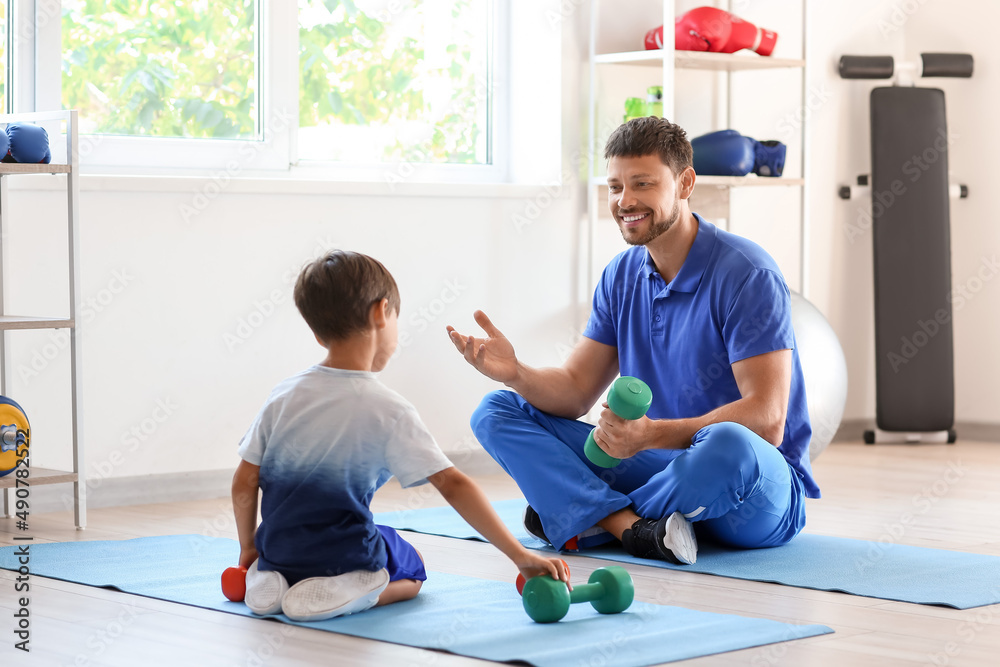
pixel 871 569
pixel 472 617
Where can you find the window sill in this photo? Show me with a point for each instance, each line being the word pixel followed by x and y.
pixel 284 183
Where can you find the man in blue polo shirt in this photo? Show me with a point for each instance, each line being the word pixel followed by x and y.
pixel 703 317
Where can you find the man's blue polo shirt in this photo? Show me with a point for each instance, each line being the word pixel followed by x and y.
pixel 728 302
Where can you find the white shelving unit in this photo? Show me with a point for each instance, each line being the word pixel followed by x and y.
pixel 711 195
pixel 8 322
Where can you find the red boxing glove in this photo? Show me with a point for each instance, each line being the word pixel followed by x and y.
pixel 711 29
pixel 682 41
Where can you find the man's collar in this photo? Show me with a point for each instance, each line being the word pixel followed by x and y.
pixel 689 277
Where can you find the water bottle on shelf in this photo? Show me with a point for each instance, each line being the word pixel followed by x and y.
pixel 635 107
pixel 654 101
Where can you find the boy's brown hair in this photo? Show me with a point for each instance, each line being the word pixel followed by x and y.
pixel 652 136
pixel 335 293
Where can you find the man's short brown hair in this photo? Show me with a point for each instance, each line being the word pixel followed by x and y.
pixel 651 136
pixel 335 293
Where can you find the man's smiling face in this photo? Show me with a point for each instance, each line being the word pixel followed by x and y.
pixel 642 197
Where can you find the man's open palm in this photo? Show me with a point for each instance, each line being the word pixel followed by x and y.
pixel 492 356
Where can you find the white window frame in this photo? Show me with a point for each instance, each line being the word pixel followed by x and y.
pixel 113 154
pixel 525 112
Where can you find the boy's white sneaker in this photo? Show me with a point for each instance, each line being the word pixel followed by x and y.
pixel 320 598
pixel 265 590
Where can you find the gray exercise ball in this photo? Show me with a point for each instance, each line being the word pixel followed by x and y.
pixel 824 369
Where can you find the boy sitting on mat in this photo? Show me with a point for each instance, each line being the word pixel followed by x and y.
pixel 324 442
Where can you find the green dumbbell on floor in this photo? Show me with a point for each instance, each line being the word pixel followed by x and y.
pixel 629 398
pixel 609 590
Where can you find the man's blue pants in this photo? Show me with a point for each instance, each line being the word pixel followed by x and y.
pixel 737 487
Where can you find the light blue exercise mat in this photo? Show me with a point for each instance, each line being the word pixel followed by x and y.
pixel 873 569
pixel 472 617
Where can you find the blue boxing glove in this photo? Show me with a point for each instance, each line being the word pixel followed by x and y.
pixel 29 144
pixel 723 153
pixel 728 153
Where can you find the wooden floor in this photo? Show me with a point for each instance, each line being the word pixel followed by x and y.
pixel 926 495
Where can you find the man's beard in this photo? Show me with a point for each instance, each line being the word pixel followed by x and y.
pixel 656 228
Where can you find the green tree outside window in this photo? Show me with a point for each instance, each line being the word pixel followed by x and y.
pixel 380 80
pixel 161 69
pixel 393 80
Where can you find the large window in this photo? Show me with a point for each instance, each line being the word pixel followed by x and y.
pixel 394 81
pixel 160 68
pixel 342 86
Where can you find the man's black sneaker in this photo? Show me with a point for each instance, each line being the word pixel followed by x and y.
pixel 533 524
pixel 670 538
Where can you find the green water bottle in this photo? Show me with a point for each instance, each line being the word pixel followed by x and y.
pixel 629 398
pixel 635 107
pixel 654 101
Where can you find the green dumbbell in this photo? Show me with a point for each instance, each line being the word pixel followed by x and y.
pixel 629 398
pixel 609 590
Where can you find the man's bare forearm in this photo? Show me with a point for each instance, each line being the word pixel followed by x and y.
pixel 769 424
pixel 551 390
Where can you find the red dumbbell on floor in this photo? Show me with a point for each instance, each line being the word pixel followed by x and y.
pixel 234 583
pixel 520 581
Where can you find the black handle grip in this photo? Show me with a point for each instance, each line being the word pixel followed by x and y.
pixel 866 67
pixel 957 65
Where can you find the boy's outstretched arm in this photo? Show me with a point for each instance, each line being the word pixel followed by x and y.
pixel 469 500
pixel 245 486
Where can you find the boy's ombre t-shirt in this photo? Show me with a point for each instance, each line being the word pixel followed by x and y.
pixel 325 441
